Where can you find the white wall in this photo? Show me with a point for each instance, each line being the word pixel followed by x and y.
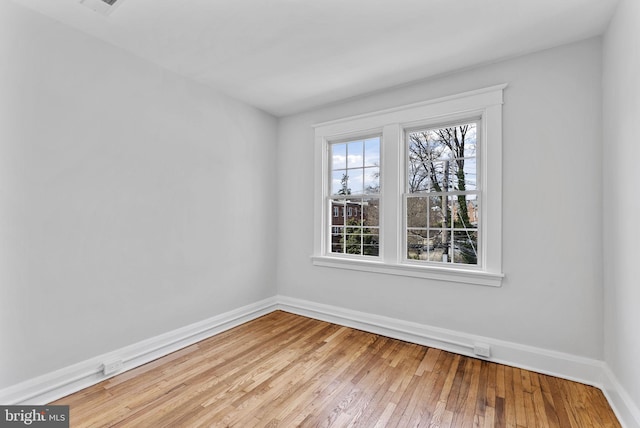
pixel 621 150
pixel 552 294
pixel 132 201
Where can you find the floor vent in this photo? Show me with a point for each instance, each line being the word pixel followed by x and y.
pixel 105 7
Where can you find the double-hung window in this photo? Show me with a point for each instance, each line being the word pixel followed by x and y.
pixel 442 197
pixel 414 190
pixel 354 195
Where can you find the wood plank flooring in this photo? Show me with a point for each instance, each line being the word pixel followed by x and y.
pixel 284 370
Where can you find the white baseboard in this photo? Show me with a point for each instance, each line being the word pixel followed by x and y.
pixel 55 385
pixel 584 370
pixel 553 363
pixel 626 410
pixel 52 386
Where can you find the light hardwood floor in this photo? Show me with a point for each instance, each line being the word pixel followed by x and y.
pixel 284 370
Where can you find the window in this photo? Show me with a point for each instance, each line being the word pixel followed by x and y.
pixel 417 190
pixel 441 201
pixel 355 187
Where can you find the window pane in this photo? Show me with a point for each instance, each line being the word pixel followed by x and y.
pixel 356 181
pixel 353 240
pixel 471 174
pixel 438 211
pixel 340 183
pixel 417 240
pixel 370 242
pixel 417 212
pixel 372 152
pixel 371 212
pixel 440 176
pixel 338 156
pixel 470 140
pixel 353 214
pixel 337 239
pixel 355 150
pixel 439 246
pixel 464 209
pixel 372 180
pixel 418 179
pixel 465 247
pixel 337 212
pixel 463 174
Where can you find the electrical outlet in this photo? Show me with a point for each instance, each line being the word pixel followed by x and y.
pixel 482 350
pixel 112 367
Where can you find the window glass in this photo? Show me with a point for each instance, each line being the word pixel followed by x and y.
pixel 442 203
pixel 355 172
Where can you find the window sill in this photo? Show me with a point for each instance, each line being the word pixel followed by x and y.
pixel 464 276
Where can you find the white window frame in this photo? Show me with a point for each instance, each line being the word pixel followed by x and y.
pixel 485 104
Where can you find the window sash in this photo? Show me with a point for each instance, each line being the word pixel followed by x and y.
pixel 428 228
pixel 358 216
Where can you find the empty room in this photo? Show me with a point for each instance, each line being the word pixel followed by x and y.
pixel 335 213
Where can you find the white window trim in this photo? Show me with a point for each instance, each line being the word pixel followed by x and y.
pixel 484 103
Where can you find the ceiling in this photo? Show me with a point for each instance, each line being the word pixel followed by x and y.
pixel 285 56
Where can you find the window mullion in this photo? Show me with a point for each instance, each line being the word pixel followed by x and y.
pixel 391 220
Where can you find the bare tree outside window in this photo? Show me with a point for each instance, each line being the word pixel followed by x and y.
pixel 442 201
